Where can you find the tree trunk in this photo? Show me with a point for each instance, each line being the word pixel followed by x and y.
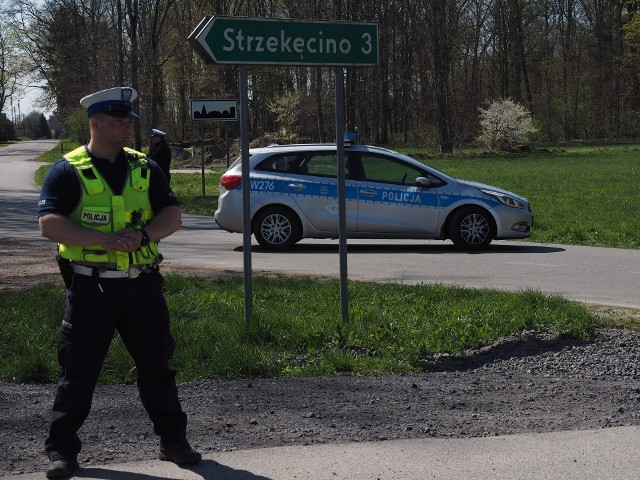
pixel 319 113
pixel 133 13
pixel 441 65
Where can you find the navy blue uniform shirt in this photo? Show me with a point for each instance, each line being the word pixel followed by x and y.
pixel 61 188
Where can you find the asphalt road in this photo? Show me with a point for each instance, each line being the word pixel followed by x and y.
pixel 589 274
pixel 609 453
pixel 595 275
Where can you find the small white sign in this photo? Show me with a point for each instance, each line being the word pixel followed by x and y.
pixel 214 110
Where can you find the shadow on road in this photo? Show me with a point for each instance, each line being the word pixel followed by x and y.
pixel 401 248
pixel 208 470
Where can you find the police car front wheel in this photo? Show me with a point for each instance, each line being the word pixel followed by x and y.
pixel 276 228
pixel 471 228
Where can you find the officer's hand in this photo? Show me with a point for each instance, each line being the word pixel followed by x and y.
pixel 127 240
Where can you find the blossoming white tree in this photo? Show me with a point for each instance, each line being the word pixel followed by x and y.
pixel 505 124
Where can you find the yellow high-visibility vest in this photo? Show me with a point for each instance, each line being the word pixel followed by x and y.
pixel 101 210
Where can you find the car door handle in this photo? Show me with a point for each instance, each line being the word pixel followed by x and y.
pixel 368 193
pixel 297 186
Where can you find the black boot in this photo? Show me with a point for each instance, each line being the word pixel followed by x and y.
pixel 62 468
pixel 180 453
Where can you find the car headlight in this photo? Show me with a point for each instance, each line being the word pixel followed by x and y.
pixel 505 199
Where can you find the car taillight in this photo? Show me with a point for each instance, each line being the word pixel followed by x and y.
pixel 230 182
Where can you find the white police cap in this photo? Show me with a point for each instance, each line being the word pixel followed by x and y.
pixel 115 101
pixel 157 133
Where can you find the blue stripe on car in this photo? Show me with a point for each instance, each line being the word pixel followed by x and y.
pixel 384 195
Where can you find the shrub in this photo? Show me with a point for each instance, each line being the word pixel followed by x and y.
pixel 7 131
pixel 505 124
pixel 77 126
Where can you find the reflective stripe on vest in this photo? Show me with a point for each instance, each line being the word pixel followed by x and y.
pixel 101 210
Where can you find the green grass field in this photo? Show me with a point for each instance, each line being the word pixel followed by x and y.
pixel 581 195
pixel 296 327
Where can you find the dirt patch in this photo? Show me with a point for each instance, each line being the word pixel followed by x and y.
pixel 26 265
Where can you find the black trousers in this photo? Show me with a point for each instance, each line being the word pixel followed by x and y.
pixel 137 310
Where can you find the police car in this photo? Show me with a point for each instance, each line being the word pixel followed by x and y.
pixel 294 195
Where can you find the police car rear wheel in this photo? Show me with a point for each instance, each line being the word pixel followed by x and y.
pixel 471 228
pixel 276 228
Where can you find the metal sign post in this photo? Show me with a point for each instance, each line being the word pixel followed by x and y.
pixel 342 203
pixel 246 194
pixel 226 142
pixel 202 154
pixel 268 41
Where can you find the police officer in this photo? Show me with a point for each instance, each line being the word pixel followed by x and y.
pixel 160 152
pixel 107 206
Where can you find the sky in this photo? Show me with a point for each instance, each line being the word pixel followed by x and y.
pixel 27 104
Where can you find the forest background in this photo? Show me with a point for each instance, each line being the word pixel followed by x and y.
pixel 574 64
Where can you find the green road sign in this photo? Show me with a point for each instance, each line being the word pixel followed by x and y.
pixel 266 41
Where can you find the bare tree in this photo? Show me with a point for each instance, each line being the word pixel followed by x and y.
pixel 604 21
pixel 66 46
pixel 10 68
pixel 443 19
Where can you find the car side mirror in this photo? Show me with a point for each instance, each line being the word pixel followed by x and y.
pixel 423 182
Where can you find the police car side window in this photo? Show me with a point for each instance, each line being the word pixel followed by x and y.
pixel 385 170
pixel 280 163
pixel 322 165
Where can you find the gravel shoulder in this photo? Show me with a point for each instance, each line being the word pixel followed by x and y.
pixel 531 382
